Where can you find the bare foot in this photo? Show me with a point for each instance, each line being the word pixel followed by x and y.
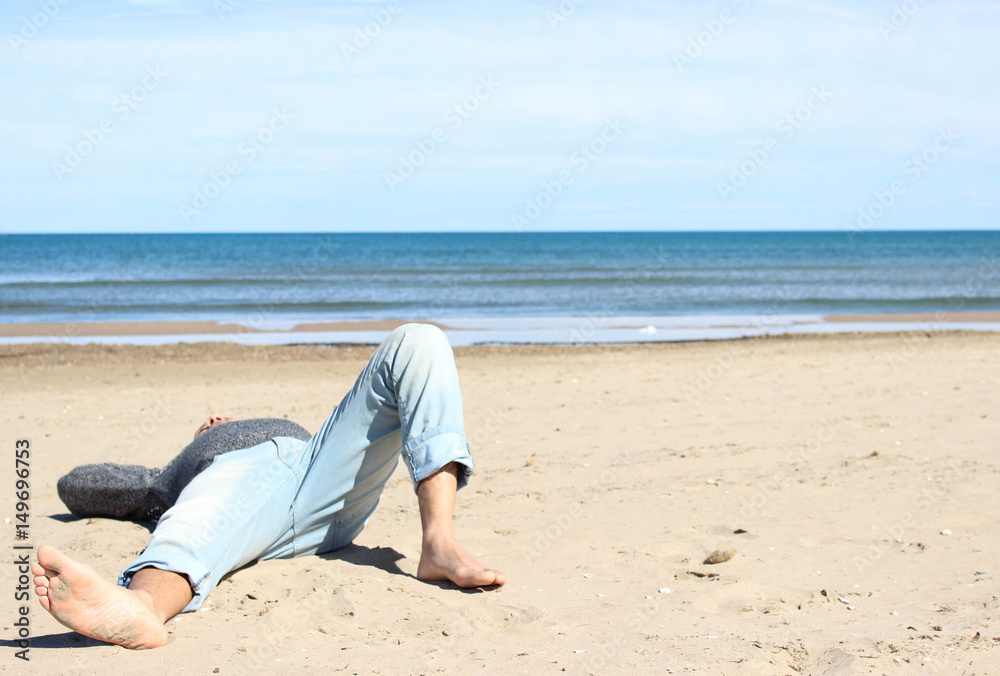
pixel 78 598
pixel 445 559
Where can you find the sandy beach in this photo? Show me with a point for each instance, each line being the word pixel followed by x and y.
pixel 855 476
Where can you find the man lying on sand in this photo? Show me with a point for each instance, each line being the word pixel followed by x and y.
pixel 285 497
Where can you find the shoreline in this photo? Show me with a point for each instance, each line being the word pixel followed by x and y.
pixel 66 353
pixel 520 330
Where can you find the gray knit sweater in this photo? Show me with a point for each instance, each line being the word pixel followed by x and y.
pixel 136 493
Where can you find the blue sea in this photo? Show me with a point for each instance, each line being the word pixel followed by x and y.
pixel 273 281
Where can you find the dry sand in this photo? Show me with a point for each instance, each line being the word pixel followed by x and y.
pixel 860 467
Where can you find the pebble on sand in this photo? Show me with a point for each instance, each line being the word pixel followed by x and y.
pixel 720 556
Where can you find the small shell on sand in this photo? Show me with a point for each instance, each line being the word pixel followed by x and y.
pixel 720 556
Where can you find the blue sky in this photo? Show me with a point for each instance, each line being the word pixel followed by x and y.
pixel 176 115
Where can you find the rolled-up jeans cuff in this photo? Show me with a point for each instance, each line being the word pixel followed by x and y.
pixel 434 449
pixel 194 571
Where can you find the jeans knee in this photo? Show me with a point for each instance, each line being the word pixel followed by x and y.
pixel 419 337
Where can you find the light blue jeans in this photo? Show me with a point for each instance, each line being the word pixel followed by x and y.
pixel 288 497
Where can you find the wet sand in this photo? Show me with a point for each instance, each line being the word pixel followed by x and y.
pixel 187 328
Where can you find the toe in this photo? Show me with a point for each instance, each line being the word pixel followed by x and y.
pixel 51 558
pixel 481 578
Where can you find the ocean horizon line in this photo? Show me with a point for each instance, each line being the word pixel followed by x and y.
pixel 508 231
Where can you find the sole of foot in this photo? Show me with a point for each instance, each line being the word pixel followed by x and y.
pixel 78 598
